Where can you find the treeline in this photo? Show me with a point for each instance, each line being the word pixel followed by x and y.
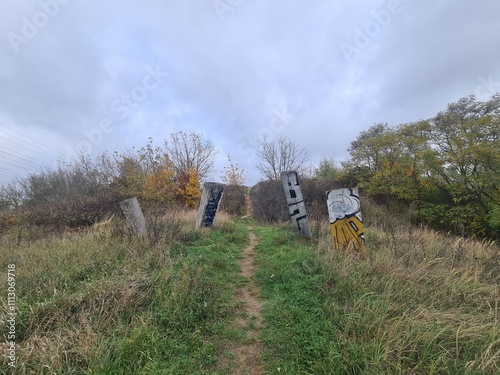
pixel 445 169
pixel 443 172
pixel 85 190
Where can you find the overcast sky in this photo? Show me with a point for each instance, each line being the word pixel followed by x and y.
pixel 106 75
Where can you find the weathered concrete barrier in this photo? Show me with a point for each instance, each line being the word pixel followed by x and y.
pixel 209 203
pixel 295 202
pixel 133 213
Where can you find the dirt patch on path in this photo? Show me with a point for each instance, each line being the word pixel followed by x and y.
pixel 248 317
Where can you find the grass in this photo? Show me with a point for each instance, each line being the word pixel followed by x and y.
pixel 100 301
pixel 413 306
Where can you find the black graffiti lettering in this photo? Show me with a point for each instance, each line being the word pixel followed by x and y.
pixel 294 204
pixel 211 208
pixel 298 219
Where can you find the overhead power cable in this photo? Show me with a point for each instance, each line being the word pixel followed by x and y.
pixel 15 158
pixel 51 150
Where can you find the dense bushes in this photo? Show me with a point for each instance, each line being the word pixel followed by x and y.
pixel 84 190
pixel 234 200
pixel 269 202
pixel 314 191
pixel 445 167
pixel 71 213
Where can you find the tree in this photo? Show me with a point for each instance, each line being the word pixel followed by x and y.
pixel 189 189
pixel 280 156
pixel 188 151
pixel 447 167
pixel 159 186
pixel 389 161
pixel 147 174
pixel 369 146
pixel 11 196
pixel 466 161
pixel 234 174
pixel 328 169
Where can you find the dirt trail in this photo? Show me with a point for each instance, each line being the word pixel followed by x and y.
pixel 248 316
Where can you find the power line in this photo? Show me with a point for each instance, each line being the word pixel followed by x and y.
pixel 19 166
pixel 23 145
pixel 7 170
pixel 38 149
pixel 54 153
pixel 15 157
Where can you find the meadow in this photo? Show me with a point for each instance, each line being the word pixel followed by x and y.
pixel 99 300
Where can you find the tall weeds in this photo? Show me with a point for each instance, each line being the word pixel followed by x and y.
pixel 98 299
pixel 421 301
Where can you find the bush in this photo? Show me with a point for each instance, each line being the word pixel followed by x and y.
pixel 269 201
pixel 314 192
pixel 69 213
pixel 234 200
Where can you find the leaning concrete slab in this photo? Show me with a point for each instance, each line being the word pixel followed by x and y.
pixel 133 213
pixel 209 203
pixel 346 224
pixel 295 202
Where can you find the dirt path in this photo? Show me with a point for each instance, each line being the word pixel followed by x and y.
pixel 248 316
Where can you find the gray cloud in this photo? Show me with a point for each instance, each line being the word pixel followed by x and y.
pixel 226 77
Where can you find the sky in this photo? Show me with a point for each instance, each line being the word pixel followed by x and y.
pixel 95 76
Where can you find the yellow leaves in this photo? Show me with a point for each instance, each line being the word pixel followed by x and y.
pixel 188 188
pixel 152 177
pixel 160 185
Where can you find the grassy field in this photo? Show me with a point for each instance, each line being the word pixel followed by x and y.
pixel 103 302
pixel 332 313
pixel 100 301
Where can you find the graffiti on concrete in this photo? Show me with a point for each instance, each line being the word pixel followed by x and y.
pixel 209 203
pixel 295 202
pixel 346 224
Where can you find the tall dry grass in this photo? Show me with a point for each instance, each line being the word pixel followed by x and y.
pixel 421 300
pixel 74 286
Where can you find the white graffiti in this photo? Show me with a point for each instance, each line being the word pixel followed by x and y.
pixel 342 203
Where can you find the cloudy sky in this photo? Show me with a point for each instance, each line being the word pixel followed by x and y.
pixel 107 75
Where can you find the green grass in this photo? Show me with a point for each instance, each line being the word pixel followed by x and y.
pixel 330 312
pixel 100 301
pixel 94 302
pixel 298 332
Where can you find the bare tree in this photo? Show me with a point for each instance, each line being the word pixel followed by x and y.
pixel 11 196
pixel 188 151
pixel 279 156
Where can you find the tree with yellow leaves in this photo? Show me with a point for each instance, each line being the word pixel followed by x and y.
pixel 159 186
pixel 188 188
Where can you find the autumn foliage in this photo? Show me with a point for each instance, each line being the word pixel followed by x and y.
pixel 85 190
pixel 445 168
pixel 188 188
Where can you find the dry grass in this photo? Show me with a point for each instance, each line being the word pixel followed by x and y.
pixel 77 287
pixel 420 296
pixel 71 287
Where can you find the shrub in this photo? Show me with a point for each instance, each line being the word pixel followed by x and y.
pixel 81 212
pixel 314 193
pixel 234 200
pixel 269 202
